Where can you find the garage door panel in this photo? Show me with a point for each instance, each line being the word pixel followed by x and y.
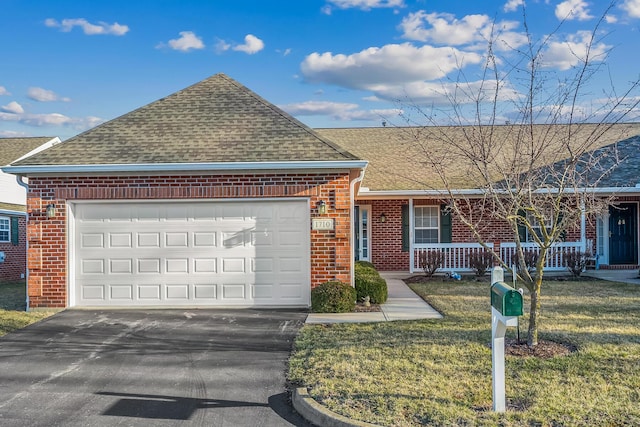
pixel 207 254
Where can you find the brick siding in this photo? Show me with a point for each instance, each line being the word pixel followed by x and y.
pixel 331 252
pixel 15 264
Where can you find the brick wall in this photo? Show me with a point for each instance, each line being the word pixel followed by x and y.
pixel 331 252
pixel 15 262
pixel 386 238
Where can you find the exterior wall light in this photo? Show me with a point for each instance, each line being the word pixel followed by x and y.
pixel 383 218
pixel 322 207
pixel 51 211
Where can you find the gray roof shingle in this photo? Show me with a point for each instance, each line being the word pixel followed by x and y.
pixel 12 149
pixel 399 157
pixel 215 120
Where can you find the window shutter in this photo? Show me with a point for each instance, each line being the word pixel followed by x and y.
pixel 405 228
pixel 15 230
pixel 522 230
pixel 445 225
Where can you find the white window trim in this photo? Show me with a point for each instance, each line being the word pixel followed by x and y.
pixel 437 228
pixel 8 229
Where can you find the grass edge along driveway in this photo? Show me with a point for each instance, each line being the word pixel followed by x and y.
pixel 12 308
pixel 438 372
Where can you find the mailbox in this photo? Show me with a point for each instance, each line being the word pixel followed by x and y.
pixel 506 300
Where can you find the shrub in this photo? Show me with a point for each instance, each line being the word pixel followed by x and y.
pixel 366 264
pixel 369 283
pixel 333 297
pixel 530 259
pixel 575 262
pixel 480 262
pixel 430 261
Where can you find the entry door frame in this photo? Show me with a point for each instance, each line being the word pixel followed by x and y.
pixel 633 257
pixel 362 230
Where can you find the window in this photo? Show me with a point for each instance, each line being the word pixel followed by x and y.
pixel 426 224
pixel 5 229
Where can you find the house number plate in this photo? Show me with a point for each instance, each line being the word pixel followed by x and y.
pixel 322 224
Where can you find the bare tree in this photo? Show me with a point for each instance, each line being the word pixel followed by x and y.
pixel 533 153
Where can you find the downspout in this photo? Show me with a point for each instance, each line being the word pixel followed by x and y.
pixel 23 184
pixel 352 187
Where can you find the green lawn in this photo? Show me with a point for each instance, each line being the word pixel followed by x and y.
pixel 438 372
pixel 12 308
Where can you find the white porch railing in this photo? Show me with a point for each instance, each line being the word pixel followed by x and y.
pixel 456 255
pixel 555 255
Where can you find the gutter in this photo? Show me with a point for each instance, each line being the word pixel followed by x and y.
pixel 390 194
pixel 183 167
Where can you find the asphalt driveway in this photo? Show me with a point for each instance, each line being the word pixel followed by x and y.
pixel 150 368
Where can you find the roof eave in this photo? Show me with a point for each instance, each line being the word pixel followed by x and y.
pixel 184 167
pixel 475 192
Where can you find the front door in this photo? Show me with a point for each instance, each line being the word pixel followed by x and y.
pixel 362 233
pixel 623 231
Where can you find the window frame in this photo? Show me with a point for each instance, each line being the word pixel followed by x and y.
pixel 7 229
pixel 435 212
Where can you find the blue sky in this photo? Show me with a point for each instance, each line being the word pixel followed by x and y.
pixel 70 65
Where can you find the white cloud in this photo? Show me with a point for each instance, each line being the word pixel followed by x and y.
pixel 565 54
pixel 446 29
pixel 4 91
pixel 43 95
pixel 88 28
pixel 632 7
pixel 12 107
pixel 11 134
pixel 251 45
pixel 512 5
pixel 393 64
pixel 338 111
pixel 611 19
pixel 187 41
pixel 573 9
pixel 51 119
pixel 363 4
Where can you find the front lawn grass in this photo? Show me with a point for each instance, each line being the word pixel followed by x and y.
pixel 438 372
pixel 12 308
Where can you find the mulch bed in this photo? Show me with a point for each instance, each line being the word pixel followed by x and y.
pixel 361 308
pixel 544 350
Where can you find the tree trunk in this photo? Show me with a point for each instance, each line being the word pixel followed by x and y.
pixel 534 312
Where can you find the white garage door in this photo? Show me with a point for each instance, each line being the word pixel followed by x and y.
pixel 192 254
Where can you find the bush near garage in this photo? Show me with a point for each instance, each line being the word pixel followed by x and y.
pixel 369 283
pixel 333 297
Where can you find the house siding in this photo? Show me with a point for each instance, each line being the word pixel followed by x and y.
pixel 14 266
pixel 331 253
pixel 386 238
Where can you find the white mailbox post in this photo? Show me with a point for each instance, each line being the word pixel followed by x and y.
pixel 506 306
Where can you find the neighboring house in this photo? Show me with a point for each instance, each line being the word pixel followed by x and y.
pixel 212 196
pixel 13 200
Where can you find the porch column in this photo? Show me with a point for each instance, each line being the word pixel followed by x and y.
pixel 411 249
pixel 583 227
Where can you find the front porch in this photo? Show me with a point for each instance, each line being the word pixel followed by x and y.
pixel 458 256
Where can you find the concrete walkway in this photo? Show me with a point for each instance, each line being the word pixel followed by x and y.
pixel 402 304
pixel 624 276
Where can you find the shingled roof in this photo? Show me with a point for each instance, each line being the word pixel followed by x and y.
pixel 216 120
pixel 11 149
pixel 400 157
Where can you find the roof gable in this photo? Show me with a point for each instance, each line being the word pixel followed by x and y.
pixel 11 149
pixel 216 120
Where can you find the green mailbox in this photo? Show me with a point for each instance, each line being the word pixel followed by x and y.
pixel 506 300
